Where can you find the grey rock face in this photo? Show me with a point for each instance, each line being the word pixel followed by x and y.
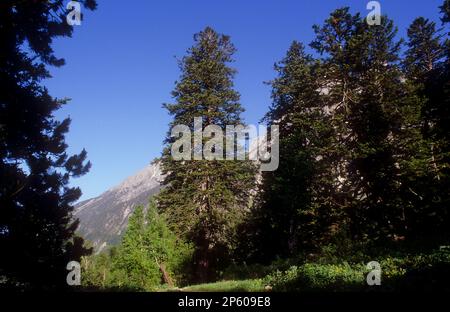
pixel 103 219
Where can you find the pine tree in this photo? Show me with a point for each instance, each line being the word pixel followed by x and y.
pixel 445 11
pixel 424 48
pixel 289 217
pixel 36 226
pixel 425 68
pixel 388 148
pixel 379 150
pixel 423 65
pixel 444 109
pixel 206 199
pixel 339 87
pixel 444 121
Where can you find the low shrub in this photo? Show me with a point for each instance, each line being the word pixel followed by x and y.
pixel 420 271
pixel 318 277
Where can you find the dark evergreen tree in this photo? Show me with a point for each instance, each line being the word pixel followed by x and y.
pixel 36 226
pixel 425 68
pixel 445 11
pixel 444 123
pixel 382 144
pixel 379 150
pixel 288 213
pixel 389 153
pixel 339 88
pixel 425 50
pixel 205 200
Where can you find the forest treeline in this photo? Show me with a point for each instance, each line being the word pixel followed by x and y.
pixel 363 171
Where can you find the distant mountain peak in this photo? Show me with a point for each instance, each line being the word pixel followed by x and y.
pixel 103 219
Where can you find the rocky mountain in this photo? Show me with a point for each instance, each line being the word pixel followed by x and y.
pixel 103 219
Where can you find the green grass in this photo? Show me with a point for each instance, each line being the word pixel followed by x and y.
pixel 249 285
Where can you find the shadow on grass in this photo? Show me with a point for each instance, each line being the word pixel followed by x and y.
pixel 435 278
pixel 432 278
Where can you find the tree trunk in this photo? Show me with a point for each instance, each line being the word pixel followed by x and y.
pixel 166 276
pixel 202 259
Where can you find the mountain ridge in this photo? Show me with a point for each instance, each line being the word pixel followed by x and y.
pixel 104 218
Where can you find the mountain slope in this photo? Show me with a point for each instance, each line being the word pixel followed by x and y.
pixel 103 219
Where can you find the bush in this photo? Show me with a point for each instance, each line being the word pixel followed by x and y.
pixel 420 271
pixel 423 272
pixel 318 277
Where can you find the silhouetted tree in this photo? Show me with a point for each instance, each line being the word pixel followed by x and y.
pixel 425 68
pixel 37 237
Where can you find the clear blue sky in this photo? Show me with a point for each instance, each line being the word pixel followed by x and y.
pixel 121 66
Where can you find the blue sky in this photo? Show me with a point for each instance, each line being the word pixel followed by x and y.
pixel 121 66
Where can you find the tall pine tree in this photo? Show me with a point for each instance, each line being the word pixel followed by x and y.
pixel 205 200
pixel 424 67
pixel 388 150
pixel 379 150
pixel 339 88
pixel 290 214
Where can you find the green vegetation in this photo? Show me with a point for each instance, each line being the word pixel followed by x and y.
pixel 148 256
pixel 403 271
